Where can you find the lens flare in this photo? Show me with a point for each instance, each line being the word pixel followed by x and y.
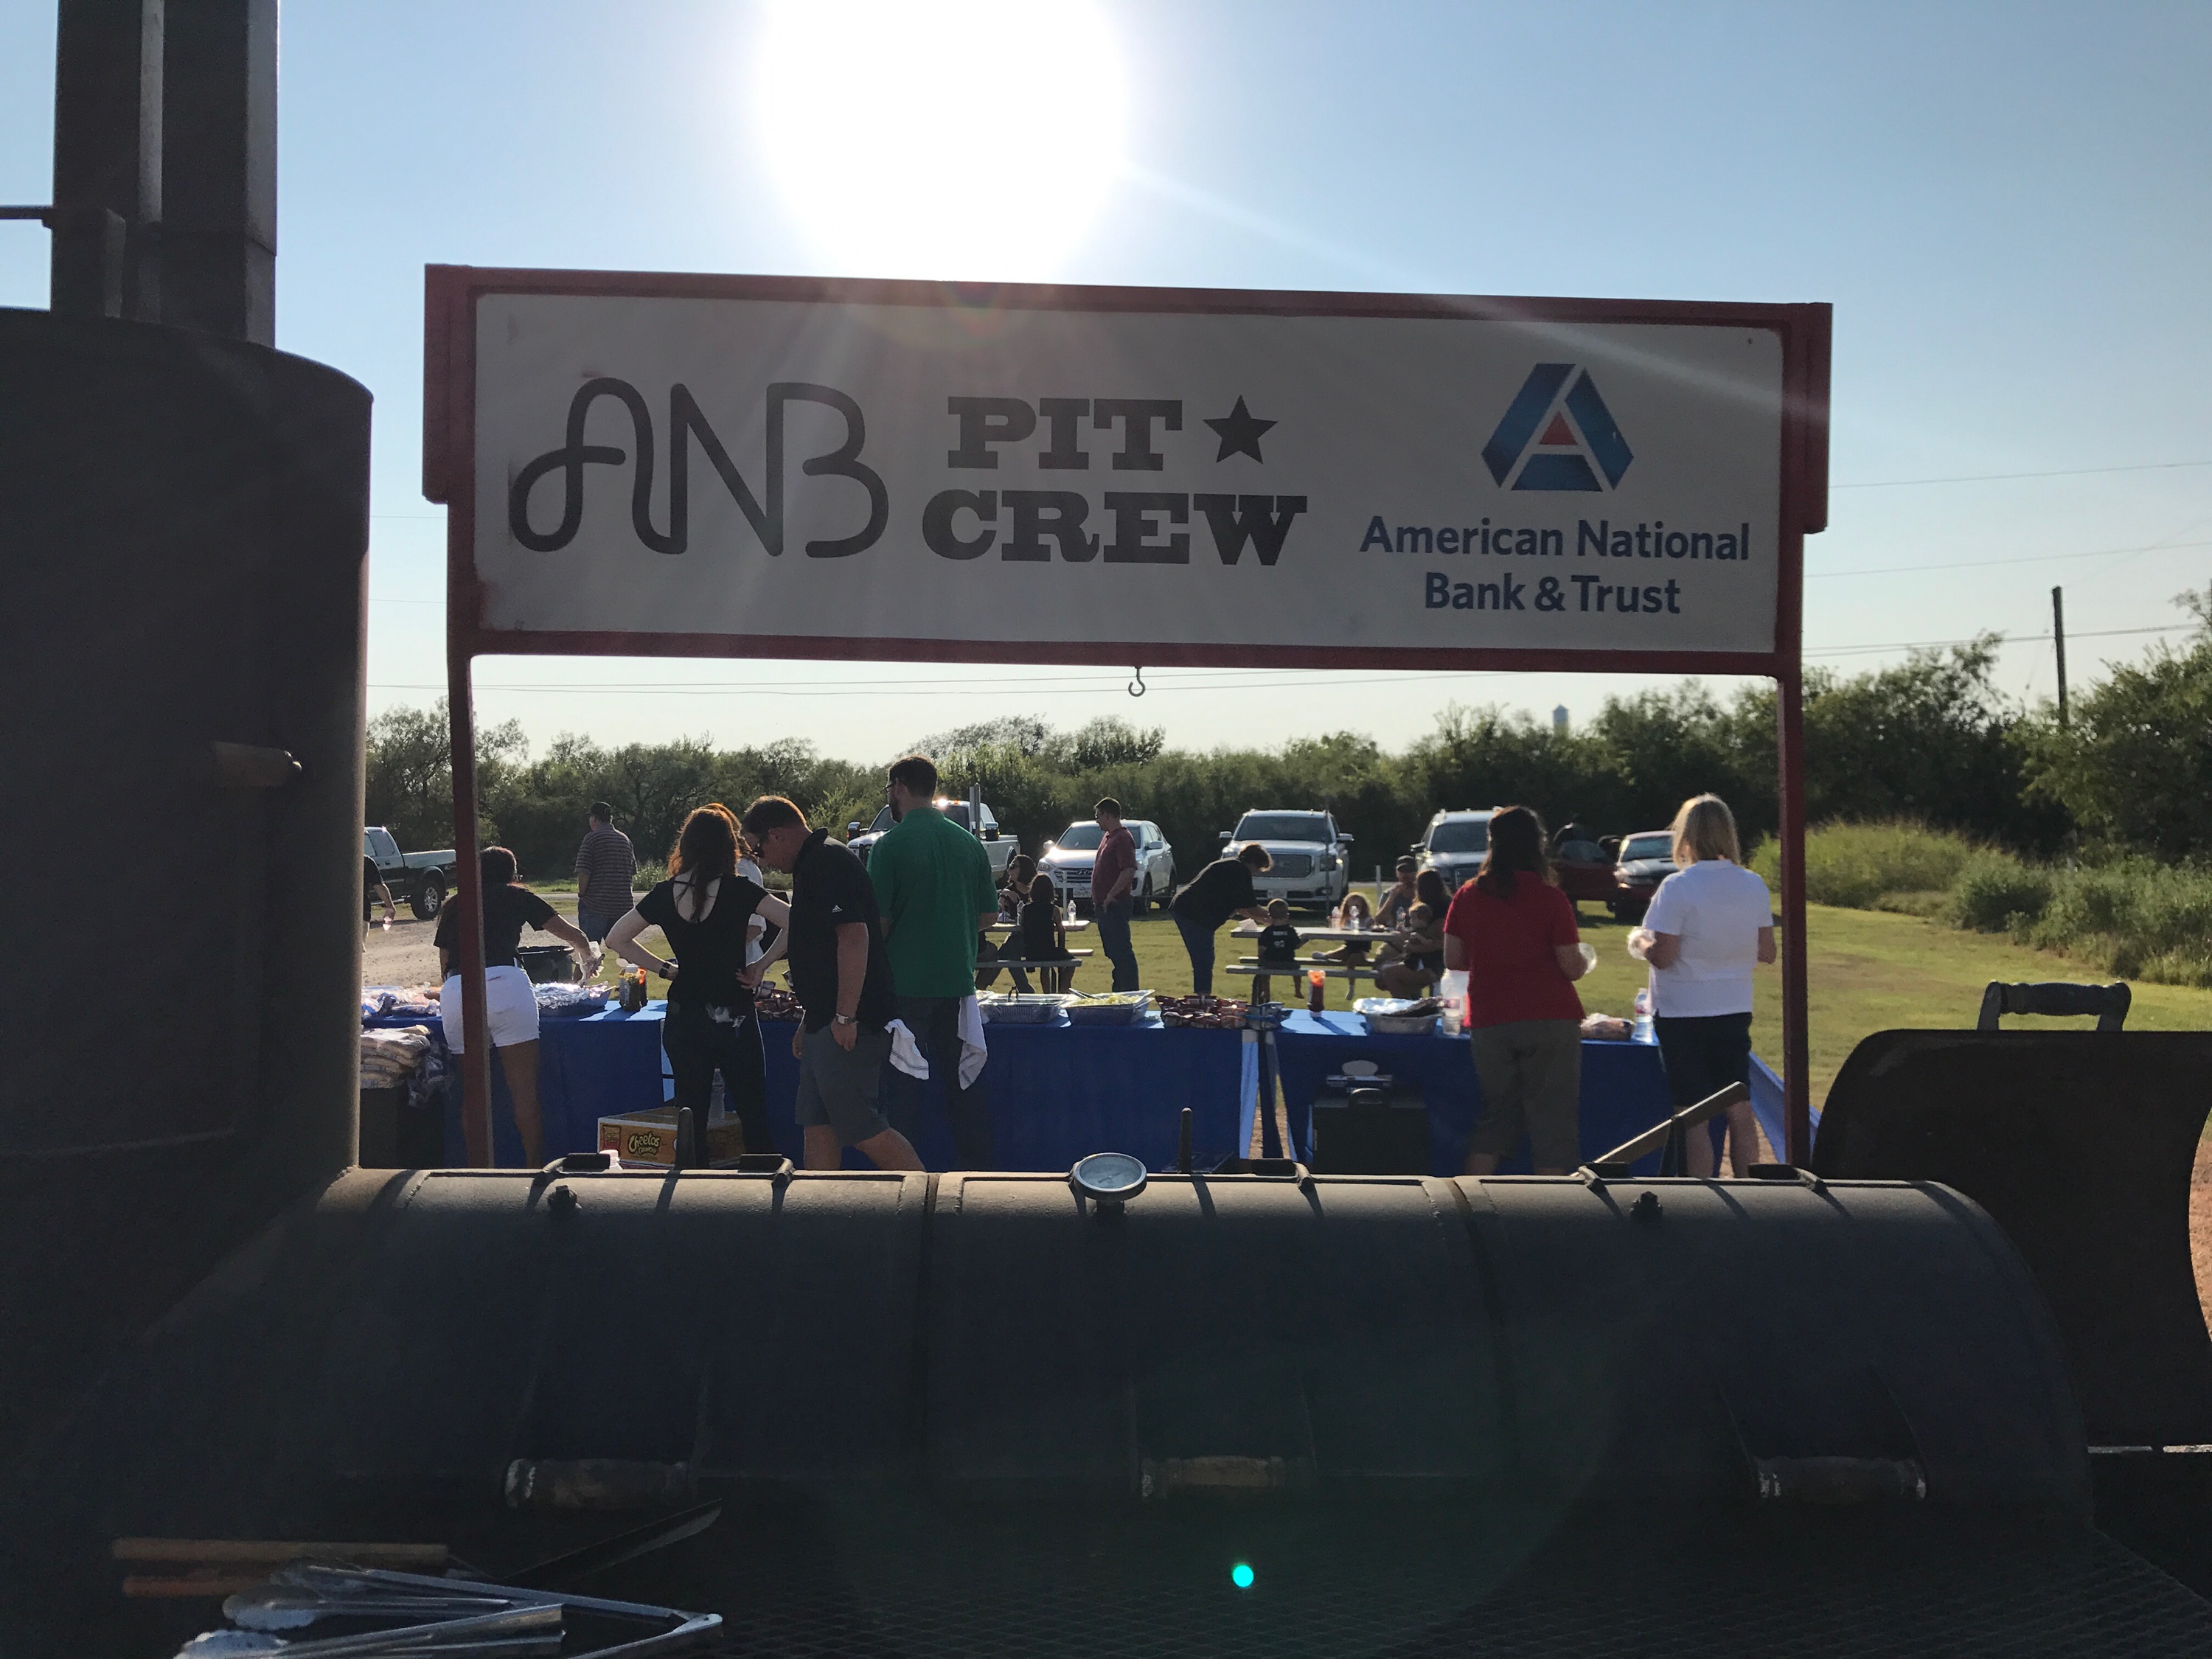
pixel 971 139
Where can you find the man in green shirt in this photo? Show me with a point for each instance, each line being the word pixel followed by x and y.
pixel 935 888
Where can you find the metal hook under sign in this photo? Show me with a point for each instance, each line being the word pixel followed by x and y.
pixel 1137 685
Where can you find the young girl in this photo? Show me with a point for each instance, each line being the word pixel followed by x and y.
pixel 1044 934
pixel 1354 911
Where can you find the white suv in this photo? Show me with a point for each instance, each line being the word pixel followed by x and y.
pixel 1312 856
pixel 1069 860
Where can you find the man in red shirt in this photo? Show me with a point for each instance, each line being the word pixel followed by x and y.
pixel 1112 880
pixel 1513 933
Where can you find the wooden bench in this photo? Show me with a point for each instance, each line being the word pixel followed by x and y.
pixel 1018 965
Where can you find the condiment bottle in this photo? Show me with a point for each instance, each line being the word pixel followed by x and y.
pixel 1316 989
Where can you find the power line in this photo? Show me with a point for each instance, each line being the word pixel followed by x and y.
pixel 2002 639
pixel 1983 564
pixel 1091 686
pixel 1999 478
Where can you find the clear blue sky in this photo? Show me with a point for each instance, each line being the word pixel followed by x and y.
pixel 2007 204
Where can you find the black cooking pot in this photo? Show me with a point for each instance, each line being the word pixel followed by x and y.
pixel 549 964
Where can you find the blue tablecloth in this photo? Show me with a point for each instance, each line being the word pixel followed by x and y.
pixel 1057 1091
pixel 1623 1085
pixel 589 1066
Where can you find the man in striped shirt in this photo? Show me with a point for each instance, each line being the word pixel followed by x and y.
pixel 605 862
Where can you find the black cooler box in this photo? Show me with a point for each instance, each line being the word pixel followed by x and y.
pixel 1370 1132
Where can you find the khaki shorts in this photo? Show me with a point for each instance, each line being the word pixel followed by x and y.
pixel 1531 1072
pixel 838 1089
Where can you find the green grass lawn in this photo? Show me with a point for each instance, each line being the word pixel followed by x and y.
pixel 1871 970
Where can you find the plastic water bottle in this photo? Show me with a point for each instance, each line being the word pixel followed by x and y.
pixel 1644 1031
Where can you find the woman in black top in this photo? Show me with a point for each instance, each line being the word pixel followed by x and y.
pixel 1044 934
pixel 703 909
pixel 1222 890
pixel 510 1005
pixel 1420 961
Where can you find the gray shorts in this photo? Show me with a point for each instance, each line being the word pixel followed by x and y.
pixel 1531 1072
pixel 838 1089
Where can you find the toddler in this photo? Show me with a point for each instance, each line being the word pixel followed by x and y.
pixel 1278 949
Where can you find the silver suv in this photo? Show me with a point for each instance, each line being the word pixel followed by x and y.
pixel 1454 845
pixel 1312 856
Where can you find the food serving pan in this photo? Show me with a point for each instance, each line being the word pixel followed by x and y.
pixel 548 965
pixel 1123 1008
pixel 1033 1009
pixel 1394 1016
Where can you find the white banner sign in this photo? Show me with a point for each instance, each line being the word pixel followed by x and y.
pixel 823 471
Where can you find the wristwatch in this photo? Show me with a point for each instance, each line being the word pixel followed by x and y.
pixel 845 1019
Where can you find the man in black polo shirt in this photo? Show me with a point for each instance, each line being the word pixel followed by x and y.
pixel 840 973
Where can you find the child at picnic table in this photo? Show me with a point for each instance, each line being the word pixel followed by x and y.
pixel 1278 948
pixel 1044 934
pixel 1354 911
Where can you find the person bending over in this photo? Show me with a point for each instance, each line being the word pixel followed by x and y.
pixel 510 1005
pixel 1224 889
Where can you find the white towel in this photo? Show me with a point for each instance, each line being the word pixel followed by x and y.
pixel 906 1051
pixel 974 1051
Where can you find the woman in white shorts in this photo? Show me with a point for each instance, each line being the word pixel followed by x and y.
pixel 510 1007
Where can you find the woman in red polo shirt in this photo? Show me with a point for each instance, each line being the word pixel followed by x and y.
pixel 1513 932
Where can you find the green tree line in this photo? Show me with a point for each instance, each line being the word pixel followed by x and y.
pixel 1930 740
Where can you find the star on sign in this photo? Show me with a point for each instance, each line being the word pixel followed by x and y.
pixel 1240 433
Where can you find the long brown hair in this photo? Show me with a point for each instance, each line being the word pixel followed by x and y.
pixel 706 849
pixel 1516 844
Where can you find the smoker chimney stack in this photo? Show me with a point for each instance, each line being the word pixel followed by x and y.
pixel 165 164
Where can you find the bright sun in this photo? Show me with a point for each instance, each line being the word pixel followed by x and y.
pixel 969 138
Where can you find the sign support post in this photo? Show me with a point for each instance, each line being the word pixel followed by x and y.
pixel 1796 1038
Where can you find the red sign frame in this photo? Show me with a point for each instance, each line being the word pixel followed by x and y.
pixel 448 478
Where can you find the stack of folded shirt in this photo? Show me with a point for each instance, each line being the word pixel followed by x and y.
pixel 389 1058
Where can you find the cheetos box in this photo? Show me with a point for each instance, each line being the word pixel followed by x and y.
pixel 649 1138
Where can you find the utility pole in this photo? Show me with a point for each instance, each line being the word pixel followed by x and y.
pixel 2058 639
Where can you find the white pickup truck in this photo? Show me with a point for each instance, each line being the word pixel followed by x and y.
pixel 998 848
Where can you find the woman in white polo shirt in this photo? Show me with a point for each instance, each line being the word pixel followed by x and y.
pixel 1709 923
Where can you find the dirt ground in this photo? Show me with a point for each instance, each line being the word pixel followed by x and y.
pixel 403 957
pixel 2200 1225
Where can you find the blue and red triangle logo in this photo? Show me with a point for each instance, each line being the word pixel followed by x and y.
pixel 1557 435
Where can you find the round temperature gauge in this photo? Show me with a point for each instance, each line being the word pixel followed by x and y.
pixel 1108 1177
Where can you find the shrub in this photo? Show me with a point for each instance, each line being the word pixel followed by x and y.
pixel 2136 918
pixel 1854 865
pixel 1996 893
